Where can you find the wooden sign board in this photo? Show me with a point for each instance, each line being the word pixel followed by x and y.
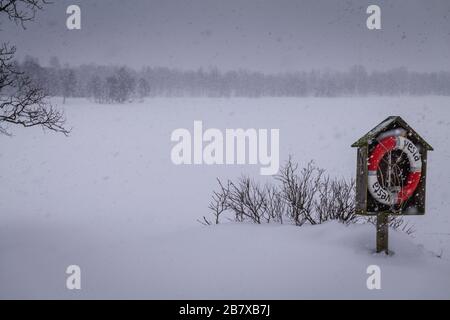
pixel 391 170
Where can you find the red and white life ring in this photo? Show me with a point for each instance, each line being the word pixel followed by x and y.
pixel 415 162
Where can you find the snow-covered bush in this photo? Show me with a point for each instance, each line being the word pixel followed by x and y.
pixel 297 196
pixel 313 197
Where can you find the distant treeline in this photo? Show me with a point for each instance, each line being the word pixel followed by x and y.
pixel 106 84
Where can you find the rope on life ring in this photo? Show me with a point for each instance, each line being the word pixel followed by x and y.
pixel 386 145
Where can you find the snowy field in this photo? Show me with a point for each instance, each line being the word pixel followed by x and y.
pixel 109 199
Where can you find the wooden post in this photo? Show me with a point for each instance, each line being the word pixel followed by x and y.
pixel 382 232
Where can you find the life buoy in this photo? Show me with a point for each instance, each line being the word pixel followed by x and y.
pixel 415 162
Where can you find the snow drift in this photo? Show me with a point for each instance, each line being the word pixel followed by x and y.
pixel 109 199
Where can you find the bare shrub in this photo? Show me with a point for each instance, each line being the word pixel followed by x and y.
pixel 275 205
pixel 300 190
pixel 305 196
pixel 247 199
pixel 336 201
pixel 395 223
pixel 219 203
pixel 400 224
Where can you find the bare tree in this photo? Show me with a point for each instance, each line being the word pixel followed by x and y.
pixel 21 11
pixel 143 88
pixel 125 85
pixel 97 89
pixel 68 83
pixel 112 89
pixel 23 102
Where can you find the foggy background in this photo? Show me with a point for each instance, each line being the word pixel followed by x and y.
pixel 238 48
pixel 109 199
pixel 266 36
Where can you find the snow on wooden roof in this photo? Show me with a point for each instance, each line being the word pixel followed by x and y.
pixel 372 134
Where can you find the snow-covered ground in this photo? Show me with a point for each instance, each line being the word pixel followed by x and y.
pixel 109 199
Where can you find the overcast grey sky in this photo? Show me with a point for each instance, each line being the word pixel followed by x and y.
pixel 269 36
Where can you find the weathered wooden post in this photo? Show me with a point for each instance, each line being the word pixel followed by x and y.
pixel 390 174
pixel 383 232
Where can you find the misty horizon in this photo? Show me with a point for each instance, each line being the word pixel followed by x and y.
pixel 46 63
pixel 114 83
